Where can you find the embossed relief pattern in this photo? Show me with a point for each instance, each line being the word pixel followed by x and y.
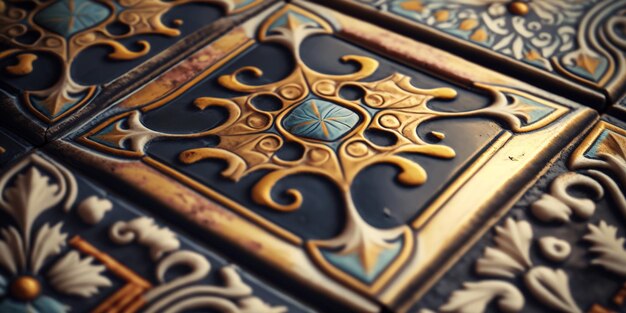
pixel 331 131
pixel 66 244
pixel 64 29
pixel 59 246
pixel 580 40
pixel 561 248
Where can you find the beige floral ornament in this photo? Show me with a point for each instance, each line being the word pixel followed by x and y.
pixel 511 259
pixel 186 292
pixel 37 185
pixel 609 247
pixel 27 192
pixel 474 297
pixel 601 160
pixel 534 35
pixel 559 36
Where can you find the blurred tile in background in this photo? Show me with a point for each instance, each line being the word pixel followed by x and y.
pixel 574 48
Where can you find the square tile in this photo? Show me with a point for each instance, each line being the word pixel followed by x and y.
pixel 67 243
pixel 560 248
pixel 573 48
pixel 253 139
pixel 67 58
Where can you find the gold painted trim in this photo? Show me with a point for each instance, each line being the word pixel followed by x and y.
pixel 128 299
pixel 591 138
pixel 432 261
pixel 192 82
pixel 261 221
pixel 559 110
pixel 440 200
pixel 114 266
pixel 563 71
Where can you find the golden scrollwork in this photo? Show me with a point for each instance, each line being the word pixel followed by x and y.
pixel 332 133
pixel 66 28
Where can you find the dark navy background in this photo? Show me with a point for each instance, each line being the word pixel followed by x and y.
pixel 322 214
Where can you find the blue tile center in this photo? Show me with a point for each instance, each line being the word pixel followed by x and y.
pixel 67 17
pixel 320 120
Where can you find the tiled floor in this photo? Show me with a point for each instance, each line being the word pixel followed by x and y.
pixel 340 156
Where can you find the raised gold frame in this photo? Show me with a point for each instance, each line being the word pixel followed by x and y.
pixel 441 233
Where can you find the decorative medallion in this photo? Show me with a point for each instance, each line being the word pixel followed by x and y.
pixel 66 28
pixel 240 152
pixel 320 120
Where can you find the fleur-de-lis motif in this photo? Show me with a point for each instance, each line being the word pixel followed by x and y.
pixel 27 193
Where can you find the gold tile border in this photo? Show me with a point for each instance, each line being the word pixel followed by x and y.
pixel 294 260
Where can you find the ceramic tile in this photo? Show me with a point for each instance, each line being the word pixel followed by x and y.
pixel 64 58
pixel 11 147
pixel 573 48
pixel 69 244
pixel 302 139
pixel 560 248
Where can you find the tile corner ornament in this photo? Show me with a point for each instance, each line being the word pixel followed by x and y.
pixel 66 28
pixel 362 263
pixel 577 40
pixel 52 256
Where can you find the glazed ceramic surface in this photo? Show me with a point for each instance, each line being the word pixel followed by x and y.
pixel 575 47
pixel 58 55
pixel 69 243
pixel 312 156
